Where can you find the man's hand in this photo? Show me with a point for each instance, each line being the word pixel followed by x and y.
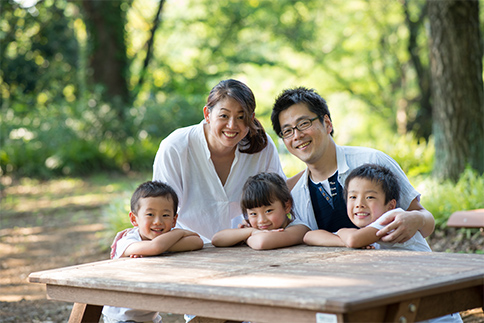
pixel 402 225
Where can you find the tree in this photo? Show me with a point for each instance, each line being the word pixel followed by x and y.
pixel 456 53
pixel 105 22
pixel 421 124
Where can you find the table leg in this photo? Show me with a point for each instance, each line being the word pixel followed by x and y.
pixel 85 313
pixel 403 312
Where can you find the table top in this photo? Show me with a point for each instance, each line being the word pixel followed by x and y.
pixel 333 280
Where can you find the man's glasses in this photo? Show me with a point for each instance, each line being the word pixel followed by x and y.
pixel 301 125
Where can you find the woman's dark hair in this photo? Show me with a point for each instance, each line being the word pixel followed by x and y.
pixel 256 139
pixel 377 174
pixel 153 189
pixel 263 189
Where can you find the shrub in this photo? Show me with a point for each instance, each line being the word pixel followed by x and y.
pixel 444 198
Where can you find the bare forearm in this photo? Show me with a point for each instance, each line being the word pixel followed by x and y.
pixel 323 238
pixel 428 225
pixel 277 239
pixel 231 237
pixel 156 246
pixel 187 243
pixel 358 238
pixel 425 219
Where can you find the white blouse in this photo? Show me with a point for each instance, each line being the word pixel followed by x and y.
pixel 205 205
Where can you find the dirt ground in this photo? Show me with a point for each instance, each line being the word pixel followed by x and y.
pixel 57 224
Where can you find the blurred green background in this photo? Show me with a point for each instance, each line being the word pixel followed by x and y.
pixel 93 86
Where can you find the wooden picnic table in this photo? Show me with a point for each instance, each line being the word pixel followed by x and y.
pixel 295 284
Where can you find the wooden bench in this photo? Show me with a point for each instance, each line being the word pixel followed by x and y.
pixel 467 219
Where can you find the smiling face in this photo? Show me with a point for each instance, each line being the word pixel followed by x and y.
pixel 269 217
pixel 155 216
pixel 366 202
pixel 309 145
pixel 226 124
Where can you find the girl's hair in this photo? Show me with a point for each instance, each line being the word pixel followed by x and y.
pixel 263 189
pixel 153 189
pixel 256 139
pixel 377 174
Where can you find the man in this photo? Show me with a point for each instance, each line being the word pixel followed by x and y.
pixel 301 118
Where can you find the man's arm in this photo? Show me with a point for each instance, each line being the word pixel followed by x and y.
pixel 264 240
pixel 231 237
pixel 323 238
pixel 293 180
pixel 406 223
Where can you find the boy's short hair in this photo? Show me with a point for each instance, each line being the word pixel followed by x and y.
pixel 289 97
pixel 153 189
pixel 263 189
pixel 378 174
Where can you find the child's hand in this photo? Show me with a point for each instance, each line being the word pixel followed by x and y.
pixel 136 256
pixel 243 225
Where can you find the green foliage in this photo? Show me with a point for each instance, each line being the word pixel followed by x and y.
pixel 416 157
pixel 39 54
pixel 116 214
pixel 444 198
pixel 54 122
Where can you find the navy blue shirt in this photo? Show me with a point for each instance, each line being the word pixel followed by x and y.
pixel 329 209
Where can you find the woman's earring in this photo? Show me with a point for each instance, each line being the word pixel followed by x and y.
pixel 289 216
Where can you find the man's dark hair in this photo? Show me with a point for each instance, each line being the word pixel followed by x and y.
pixel 289 97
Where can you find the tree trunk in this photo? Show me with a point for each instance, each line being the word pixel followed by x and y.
pixel 457 88
pixel 149 47
pixel 108 59
pixel 421 125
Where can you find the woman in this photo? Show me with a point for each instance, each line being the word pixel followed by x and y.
pixel 207 164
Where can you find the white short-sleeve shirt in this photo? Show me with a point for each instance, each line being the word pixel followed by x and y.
pixel 205 205
pixel 123 313
pixel 415 243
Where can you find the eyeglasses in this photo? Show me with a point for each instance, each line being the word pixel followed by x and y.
pixel 301 125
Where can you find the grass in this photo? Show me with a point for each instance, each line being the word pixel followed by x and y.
pixel 60 197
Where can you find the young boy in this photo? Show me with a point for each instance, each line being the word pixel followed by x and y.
pixel 371 193
pixel 153 215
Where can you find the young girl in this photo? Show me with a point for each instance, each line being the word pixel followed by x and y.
pixel 267 206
